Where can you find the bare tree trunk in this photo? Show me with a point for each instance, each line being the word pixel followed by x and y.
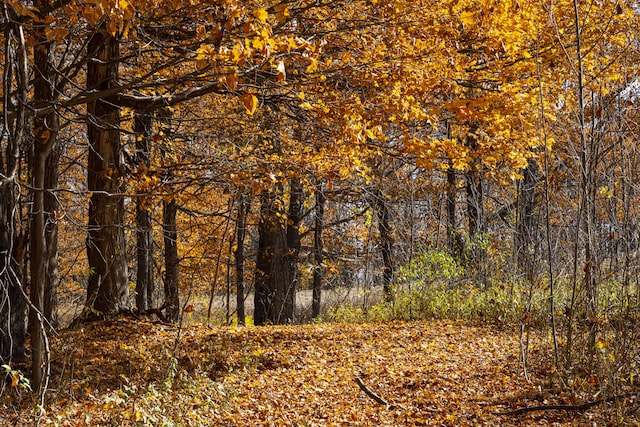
pixel 43 224
pixel 454 240
pixel 108 289
pixel 52 278
pixel 172 299
pixel 292 251
pixel 386 243
pixel 241 225
pixel 526 227
pixel 274 290
pixel 15 92
pixel 264 262
pixel 144 244
pixel 318 270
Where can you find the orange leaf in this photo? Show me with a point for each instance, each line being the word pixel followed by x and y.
pixel 250 102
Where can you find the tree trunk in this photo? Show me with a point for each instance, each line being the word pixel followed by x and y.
pixel 526 227
pixel 12 300
pixel 107 290
pixel 288 287
pixel 52 278
pixel 43 223
pixel 269 296
pixel 454 240
pixel 238 253
pixel 318 270
pixel 384 228
pixel 144 236
pixel 170 233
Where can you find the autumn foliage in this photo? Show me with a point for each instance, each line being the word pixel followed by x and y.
pixel 360 162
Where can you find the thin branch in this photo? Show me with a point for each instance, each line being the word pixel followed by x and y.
pixel 372 395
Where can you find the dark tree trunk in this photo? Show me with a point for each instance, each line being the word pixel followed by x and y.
pixel 526 226
pixel 268 228
pixel 43 223
pixel 12 244
pixel 238 253
pixel 318 270
pixel 144 243
pixel 107 290
pixel 12 301
pixel 386 243
pixel 454 240
pixel 271 259
pixel 52 277
pixel 292 251
pixel 474 201
pixel 170 233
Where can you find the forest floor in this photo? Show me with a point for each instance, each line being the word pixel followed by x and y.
pixel 123 373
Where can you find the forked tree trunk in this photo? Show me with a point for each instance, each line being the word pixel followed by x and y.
pixel 107 290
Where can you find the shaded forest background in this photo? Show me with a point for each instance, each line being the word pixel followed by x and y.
pixel 409 159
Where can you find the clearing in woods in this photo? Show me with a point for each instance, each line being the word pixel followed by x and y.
pixel 121 373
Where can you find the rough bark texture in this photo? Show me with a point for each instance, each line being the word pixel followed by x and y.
pixel 170 233
pixel 318 271
pixel 454 240
pixel 144 243
pixel 271 286
pixel 386 242
pixel 526 226
pixel 12 244
pixel 12 303
pixel 107 290
pixel 238 254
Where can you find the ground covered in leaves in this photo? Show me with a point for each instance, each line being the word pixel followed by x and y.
pixel 124 373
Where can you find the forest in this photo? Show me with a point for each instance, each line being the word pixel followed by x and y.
pixel 319 212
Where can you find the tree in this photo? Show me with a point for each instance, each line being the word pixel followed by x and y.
pixel 108 288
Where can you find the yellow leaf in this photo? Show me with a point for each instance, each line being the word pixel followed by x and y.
pixel 313 66
pixel 467 18
pixel 250 102
pixel 261 15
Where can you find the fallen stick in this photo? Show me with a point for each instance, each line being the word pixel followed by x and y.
pixel 372 395
pixel 579 407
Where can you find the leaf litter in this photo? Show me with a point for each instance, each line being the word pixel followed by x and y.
pixel 123 372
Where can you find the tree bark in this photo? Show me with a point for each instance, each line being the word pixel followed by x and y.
pixel 318 270
pixel 386 242
pixel 43 223
pixel 170 233
pixel 238 254
pixel 292 251
pixel 107 290
pixel 526 227
pixel 144 236
pixel 274 298
pixel 12 301
pixel 454 240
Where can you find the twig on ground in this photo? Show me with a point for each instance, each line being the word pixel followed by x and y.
pixel 372 395
pixel 578 407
